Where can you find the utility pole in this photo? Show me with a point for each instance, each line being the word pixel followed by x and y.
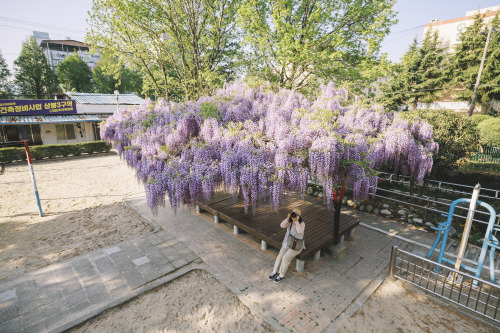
pixel 117 93
pixel 473 102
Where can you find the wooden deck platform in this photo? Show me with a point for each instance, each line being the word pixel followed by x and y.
pixel 265 223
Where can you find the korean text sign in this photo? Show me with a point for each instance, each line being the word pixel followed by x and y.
pixel 26 107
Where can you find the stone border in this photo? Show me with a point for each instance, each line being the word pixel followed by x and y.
pixel 197 265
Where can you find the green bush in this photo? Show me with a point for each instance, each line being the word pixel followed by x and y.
pixel 456 134
pixel 478 118
pixel 94 147
pixel 7 155
pixel 489 130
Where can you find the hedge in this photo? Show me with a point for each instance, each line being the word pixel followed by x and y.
pixel 478 118
pixel 490 132
pixel 8 155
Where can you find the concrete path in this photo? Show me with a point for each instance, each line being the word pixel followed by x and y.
pixel 64 294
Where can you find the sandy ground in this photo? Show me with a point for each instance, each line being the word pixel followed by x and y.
pixel 195 302
pixel 81 200
pixel 392 308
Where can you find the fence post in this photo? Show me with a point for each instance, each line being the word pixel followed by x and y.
pixel 393 262
pixel 468 224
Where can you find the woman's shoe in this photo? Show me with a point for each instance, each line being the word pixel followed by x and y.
pixel 279 279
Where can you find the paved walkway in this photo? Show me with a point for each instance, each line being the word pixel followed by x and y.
pixel 61 295
pixel 64 294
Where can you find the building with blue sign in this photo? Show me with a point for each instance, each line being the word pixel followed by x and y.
pixel 71 120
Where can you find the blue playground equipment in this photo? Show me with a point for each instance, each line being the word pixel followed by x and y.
pixel 490 241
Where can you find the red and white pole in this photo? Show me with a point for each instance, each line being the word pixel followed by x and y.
pixel 28 155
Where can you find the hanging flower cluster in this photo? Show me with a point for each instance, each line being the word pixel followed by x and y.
pixel 262 144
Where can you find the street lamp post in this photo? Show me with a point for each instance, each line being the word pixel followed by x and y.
pixel 474 95
pixel 117 93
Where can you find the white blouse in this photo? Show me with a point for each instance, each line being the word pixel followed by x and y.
pixel 297 231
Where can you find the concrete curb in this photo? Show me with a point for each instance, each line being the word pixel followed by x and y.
pixel 94 312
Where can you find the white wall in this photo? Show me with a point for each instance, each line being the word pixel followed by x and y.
pixel 49 134
pixel 450 30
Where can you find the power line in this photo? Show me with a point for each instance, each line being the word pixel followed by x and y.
pixel 414 28
pixel 9 26
pixel 397 38
pixel 39 24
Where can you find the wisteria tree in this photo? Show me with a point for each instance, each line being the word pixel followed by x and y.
pixel 261 145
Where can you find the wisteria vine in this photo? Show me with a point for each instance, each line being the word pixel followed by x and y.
pixel 261 144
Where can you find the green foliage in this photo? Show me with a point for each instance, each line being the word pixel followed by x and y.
pixel 467 60
pixel 91 147
pixel 74 74
pixel 430 72
pixel 456 134
pixel 208 110
pixel 5 86
pixel 490 132
pixel 8 155
pixel 478 118
pixel 34 76
pixel 480 166
pixel 296 42
pixel 419 76
pixel 191 48
pixel 110 75
pixel 490 78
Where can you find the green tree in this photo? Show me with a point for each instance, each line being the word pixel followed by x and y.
pixel 490 78
pixel 467 59
pixel 74 74
pixel 398 89
pixel 5 85
pixel 34 76
pixel 419 76
pixel 393 89
pixel 109 75
pixel 431 69
pixel 295 42
pixel 183 45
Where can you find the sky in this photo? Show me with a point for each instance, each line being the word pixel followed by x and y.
pixel 67 18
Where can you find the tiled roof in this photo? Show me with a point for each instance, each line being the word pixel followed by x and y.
pixel 105 99
pixel 51 119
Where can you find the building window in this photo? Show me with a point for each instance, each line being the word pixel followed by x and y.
pixel 12 133
pixel 65 132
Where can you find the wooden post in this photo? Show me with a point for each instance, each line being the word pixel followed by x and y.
pixel 337 205
pixel 468 224
pixel 478 80
pixel 336 221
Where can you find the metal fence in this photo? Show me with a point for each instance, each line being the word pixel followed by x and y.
pixel 487 154
pixel 475 294
pixel 435 204
pixel 440 186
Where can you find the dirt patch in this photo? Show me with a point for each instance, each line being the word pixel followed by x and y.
pixel 195 302
pixel 392 308
pixel 82 205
